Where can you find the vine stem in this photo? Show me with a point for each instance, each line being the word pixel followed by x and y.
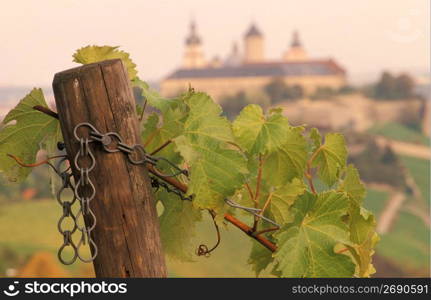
pixel 268 200
pixel 308 174
pixel 249 231
pixel 183 188
pixel 141 117
pixel 165 144
pixel 249 191
pixel 266 230
pixel 256 195
pixel 203 249
pixel 37 164
pixel 46 111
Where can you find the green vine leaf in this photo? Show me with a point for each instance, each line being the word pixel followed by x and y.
pixel 156 132
pixel 315 138
pixel 216 171
pixel 362 224
pixel 289 161
pixel 204 119
pixel 353 186
pixel 177 226
pixel 306 246
pixel 155 100
pixel 331 158
pixel 257 133
pixel 93 54
pixel 282 199
pixel 260 258
pixel 31 132
pixel 362 234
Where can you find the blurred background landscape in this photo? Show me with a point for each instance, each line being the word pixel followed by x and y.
pixel 357 68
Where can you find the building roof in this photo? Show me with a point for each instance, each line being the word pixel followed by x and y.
pixel 275 69
pixel 253 31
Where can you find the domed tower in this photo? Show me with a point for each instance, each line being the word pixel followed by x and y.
pixel 296 52
pixel 193 56
pixel 253 45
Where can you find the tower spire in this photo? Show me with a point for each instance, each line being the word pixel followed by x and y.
pixel 193 37
pixel 295 39
pixel 296 52
pixel 193 56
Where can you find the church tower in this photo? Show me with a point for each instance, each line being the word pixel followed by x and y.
pixel 253 45
pixel 193 56
pixel 296 51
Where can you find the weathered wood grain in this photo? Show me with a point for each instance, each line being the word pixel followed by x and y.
pixel 127 230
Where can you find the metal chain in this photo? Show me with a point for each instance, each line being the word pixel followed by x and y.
pixel 67 214
pixel 85 191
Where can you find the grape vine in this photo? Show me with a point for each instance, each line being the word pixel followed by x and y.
pixel 259 160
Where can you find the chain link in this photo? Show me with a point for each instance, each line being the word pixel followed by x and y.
pixel 85 191
pixel 67 214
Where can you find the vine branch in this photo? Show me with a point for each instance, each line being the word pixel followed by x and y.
pixel 308 174
pixel 160 148
pixel 46 111
pixel 266 230
pixel 256 195
pixel 37 164
pixel 141 117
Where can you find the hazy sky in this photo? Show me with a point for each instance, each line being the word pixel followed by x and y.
pixel 39 37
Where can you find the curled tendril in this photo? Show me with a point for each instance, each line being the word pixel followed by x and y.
pixel 203 250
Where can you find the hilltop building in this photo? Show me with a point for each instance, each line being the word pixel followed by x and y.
pixel 251 70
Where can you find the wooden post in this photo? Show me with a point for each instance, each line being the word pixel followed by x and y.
pixel 127 231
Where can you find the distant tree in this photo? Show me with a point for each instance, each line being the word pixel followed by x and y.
pixel 346 89
pixel 392 87
pixel 379 165
pixel 278 91
pixel 405 86
pixel 385 87
pixel 323 92
pixel 294 92
pixel 232 105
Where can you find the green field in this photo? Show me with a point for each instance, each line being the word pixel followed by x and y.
pixel 420 171
pixel 375 201
pixel 407 244
pixel 399 132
